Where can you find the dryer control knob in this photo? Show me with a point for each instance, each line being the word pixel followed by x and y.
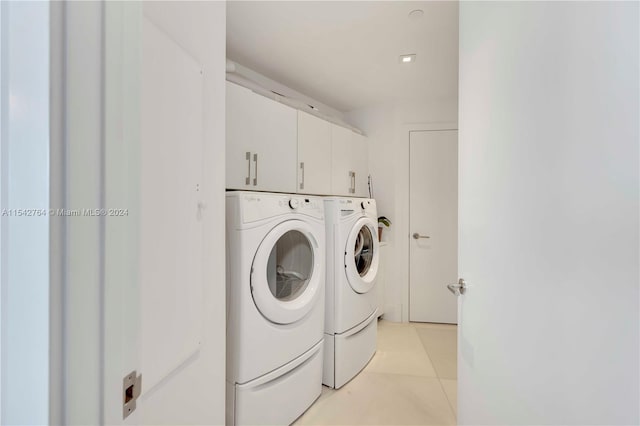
pixel 293 203
pixel 364 205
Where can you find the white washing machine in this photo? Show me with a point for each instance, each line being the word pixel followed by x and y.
pixel 351 304
pixel 275 306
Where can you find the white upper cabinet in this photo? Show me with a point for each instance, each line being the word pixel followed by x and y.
pixel 272 147
pixel 360 165
pixel 349 163
pixel 261 142
pixel 314 155
pixel 341 164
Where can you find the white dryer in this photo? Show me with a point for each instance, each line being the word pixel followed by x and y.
pixel 275 306
pixel 351 303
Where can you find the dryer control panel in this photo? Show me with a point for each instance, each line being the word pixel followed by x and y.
pixel 307 205
pixel 256 206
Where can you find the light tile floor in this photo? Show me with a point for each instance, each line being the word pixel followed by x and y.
pixel 411 380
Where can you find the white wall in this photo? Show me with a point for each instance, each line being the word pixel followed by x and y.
pixel 549 210
pixel 24 183
pixel 387 129
pixel 300 100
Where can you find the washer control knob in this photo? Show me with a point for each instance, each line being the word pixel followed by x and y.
pixel 364 205
pixel 293 203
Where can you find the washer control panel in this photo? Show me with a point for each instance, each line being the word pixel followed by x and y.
pixel 358 206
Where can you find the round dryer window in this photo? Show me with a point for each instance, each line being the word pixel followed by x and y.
pixel 361 255
pixel 286 272
pixel 290 266
pixel 363 251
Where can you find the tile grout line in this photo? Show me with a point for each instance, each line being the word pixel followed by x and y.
pixel 401 374
pixel 432 357
pixel 453 409
pixel 422 346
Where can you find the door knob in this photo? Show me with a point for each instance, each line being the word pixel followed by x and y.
pixel 458 289
pixel 417 236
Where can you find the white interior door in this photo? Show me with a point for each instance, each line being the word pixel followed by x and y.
pixel 433 252
pixel 549 237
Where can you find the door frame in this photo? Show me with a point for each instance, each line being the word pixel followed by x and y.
pixel 28 338
pixel 75 288
pixel 405 203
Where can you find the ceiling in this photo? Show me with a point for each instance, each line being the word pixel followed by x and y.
pixel 346 54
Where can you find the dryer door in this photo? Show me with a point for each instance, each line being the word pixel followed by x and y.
pixel 286 274
pixel 361 255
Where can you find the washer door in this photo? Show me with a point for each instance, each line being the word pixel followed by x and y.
pixel 285 274
pixel 361 255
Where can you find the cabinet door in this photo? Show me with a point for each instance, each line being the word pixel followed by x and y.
pixel 314 155
pixel 239 138
pixel 261 142
pixel 360 164
pixel 341 164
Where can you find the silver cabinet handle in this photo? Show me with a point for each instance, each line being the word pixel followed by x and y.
pixel 255 177
pixel 247 180
pixel 302 181
pixel 458 289
pixel 417 236
pixel 354 182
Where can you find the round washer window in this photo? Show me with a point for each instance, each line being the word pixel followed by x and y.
pixel 290 266
pixel 363 251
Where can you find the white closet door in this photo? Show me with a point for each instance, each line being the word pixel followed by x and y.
pixel 314 155
pixel 171 233
pixel 341 165
pixel 360 164
pixel 260 143
pixel 240 137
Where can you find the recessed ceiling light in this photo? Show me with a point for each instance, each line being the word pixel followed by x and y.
pixel 416 14
pixel 405 59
